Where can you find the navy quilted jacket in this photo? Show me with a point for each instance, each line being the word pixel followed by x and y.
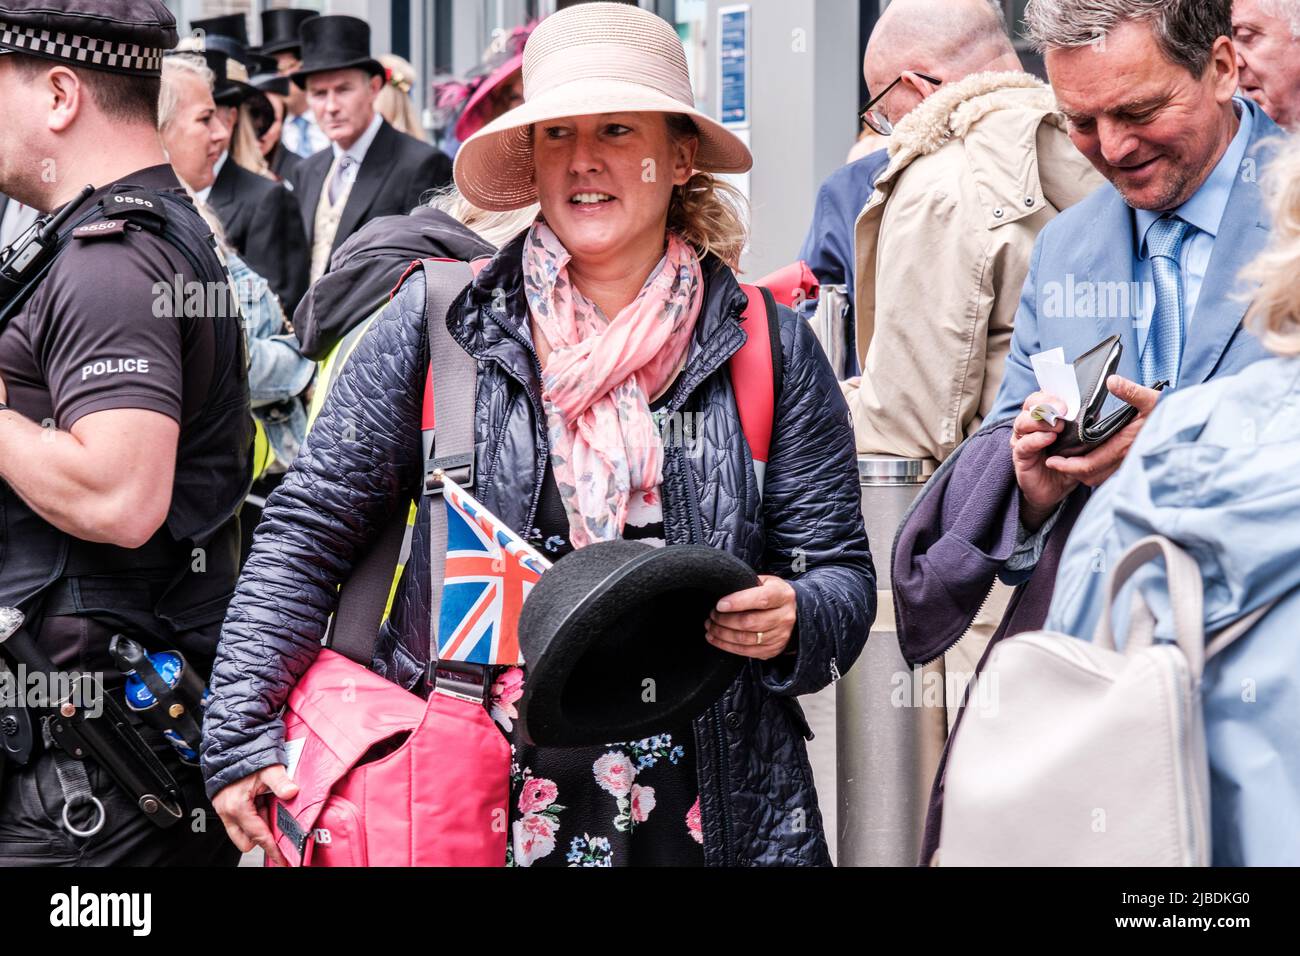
pixel 362 461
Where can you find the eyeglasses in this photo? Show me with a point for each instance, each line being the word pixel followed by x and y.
pixel 876 119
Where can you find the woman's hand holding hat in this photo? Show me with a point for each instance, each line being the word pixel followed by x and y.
pixel 756 623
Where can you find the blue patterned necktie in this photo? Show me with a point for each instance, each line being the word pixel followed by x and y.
pixel 1163 353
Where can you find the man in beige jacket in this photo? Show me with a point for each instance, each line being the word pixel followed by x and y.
pixel 979 164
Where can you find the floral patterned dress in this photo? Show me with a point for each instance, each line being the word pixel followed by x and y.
pixel 623 804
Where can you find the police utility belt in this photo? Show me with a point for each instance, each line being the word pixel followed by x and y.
pixel 77 719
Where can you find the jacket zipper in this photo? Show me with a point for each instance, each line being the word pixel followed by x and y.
pixel 543 443
pixel 717 716
pixel 969 627
pixel 717 712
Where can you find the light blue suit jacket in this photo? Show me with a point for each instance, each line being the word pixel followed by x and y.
pixel 1087 251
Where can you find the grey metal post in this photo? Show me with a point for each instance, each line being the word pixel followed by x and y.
pixel 886 753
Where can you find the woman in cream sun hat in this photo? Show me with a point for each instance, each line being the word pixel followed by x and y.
pixel 589 60
pixel 612 316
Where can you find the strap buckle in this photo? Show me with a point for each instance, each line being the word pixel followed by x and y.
pixel 462 680
pixel 459 468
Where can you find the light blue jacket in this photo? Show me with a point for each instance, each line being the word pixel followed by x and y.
pixel 1080 287
pixel 277 371
pixel 1217 471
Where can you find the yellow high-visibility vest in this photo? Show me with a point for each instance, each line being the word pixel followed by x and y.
pixel 328 371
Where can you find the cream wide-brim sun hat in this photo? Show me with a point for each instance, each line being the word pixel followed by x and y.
pixel 587 60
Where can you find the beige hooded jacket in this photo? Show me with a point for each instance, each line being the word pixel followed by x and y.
pixel 942 251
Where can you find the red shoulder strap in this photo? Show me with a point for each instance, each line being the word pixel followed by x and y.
pixel 754 381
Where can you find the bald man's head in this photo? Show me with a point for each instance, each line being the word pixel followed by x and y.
pixel 948 39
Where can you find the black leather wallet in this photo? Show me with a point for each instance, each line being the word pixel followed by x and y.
pixel 1089 429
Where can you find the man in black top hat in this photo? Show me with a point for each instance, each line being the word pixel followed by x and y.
pixel 125 433
pixel 370 169
pixel 301 134
pixel 260 216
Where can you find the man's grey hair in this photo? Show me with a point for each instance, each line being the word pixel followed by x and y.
pixel 1186 30
pixel 1288 10
pixel 174 67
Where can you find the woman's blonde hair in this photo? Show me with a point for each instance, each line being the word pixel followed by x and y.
pixel 173 69
pixel 710 214
pixel 498 228
pixel 1275 311
pixel 395 103
pixel 244 147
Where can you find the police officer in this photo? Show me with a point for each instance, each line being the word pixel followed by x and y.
pixel 125 432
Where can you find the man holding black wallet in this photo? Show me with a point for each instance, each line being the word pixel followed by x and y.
pixel 1152 258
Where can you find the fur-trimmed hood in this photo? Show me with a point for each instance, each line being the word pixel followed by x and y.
pixel 954 109
pixel 994 122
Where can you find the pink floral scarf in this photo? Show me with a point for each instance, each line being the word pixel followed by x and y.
pixel 599 378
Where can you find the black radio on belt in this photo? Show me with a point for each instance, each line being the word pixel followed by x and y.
pixel 22 261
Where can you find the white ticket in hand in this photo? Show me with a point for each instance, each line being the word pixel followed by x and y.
pixel 1056 377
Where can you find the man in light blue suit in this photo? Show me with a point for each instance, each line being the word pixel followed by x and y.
pixel 1148 87
pixel 1153 257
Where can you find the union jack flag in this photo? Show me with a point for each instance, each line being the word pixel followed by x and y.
pixel 490 571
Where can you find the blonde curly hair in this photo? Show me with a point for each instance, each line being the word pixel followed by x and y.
pixel 709 213
pixel 1275 311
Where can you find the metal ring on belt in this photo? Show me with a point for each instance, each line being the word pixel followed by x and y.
pixel 99 824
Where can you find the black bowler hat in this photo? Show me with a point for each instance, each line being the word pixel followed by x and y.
pixel 613 637
pixel 280 29
pixel 233 25
pixel 335 43
pixel 116 36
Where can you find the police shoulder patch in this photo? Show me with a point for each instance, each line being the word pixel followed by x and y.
pixel 105 228
pixel 133 204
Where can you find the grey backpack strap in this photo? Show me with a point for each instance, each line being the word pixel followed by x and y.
pixel 454 375
pixel 365 595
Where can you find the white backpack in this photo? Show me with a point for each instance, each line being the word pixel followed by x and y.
pixel 1072 753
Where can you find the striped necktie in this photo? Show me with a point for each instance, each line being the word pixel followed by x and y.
pixel 1163 354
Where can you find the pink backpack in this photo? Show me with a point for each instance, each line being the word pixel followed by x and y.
pixel 386 778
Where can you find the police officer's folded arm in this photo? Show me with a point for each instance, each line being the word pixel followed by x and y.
pixel 108 480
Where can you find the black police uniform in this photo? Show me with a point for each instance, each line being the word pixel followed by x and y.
pixel 135 312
